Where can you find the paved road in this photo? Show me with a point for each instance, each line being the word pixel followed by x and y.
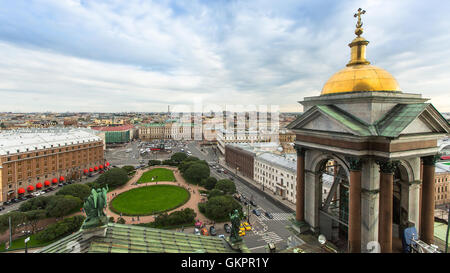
pixel 264 230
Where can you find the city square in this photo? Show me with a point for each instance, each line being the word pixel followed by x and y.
pixel 225 128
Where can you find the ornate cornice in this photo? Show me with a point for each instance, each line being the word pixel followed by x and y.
pixel 355 163
pixel 388 166
pixel 300 150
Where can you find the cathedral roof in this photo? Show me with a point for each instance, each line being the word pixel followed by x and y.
pixel 359 75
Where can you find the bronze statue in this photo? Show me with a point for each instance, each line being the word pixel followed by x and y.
pixel 94 208
pixel 235 218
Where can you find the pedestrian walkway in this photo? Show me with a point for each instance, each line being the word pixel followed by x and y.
pixel 271 237
pixel 131 184
pixel 277 216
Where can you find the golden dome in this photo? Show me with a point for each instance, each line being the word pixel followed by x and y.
pixel 360 78
pixel 359 75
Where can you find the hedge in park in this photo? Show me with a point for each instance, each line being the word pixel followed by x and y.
pixel 154 162
pixel 60 229
pixel 180 217
pixel 81 191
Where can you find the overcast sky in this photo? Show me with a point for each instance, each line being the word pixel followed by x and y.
pixel 112 56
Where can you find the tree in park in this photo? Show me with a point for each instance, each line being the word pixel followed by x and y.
pixel 40 202
pixel 178 157
pixel 210 183
pixel 214 193
pixel 114 178
pixel 17 217
pixel 196 172
pixel 226 185
pixel 218 208
pixel 81 191
pixel 62 205
pixel 33 217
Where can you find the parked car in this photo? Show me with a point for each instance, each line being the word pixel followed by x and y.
pixel 221 236
pixel 196 231
pixel 2 208
pixel 268 215
pixel 225 171
pixel 212 231
pixel 256 212
pixel 247 226
pixel 227 228
pixel 204 231
pixel 7 203
pixel 245 202
pixel 253 203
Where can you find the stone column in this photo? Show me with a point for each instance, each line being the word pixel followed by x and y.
pixel 300 202
pixel 354 206
pixel 387 169
pixel 427 210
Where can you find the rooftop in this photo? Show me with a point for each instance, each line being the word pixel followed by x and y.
pixel 19 141
pixel 118 238
pixel 113 128
pixel 278 160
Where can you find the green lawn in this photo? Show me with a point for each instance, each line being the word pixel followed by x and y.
pixel 149 200
pixel 20 243
pixel 159 174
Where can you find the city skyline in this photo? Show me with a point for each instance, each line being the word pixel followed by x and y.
pixel 115 56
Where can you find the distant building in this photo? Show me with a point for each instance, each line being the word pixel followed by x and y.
pixel 117 134
pixel 277 173
pixel 442 183
pixel 30 159
pixel 169 130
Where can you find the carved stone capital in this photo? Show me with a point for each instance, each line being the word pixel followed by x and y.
pixel 300 150
pixel 388 166
pixel 355 163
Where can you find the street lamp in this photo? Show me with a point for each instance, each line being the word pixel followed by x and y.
pixel 448 229
pixel 26 243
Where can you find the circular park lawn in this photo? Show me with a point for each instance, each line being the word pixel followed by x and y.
pixel 158 174
pixel 149 200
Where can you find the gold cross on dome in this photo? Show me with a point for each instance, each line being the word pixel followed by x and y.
pixel 358 14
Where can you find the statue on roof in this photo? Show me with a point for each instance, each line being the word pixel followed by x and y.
pixel 94 207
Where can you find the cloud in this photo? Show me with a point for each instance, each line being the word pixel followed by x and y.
pixel 143 55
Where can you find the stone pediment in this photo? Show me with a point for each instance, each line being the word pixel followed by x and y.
pixel 410 119
pixel 329 118
pixel 402 119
